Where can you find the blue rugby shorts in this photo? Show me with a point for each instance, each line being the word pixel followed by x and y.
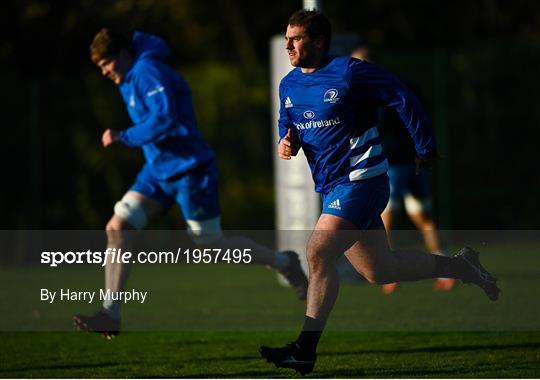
pixel 359 202
pixel 195 191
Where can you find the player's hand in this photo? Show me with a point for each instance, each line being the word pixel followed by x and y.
pixel 109 137
pixel 426 163
pixel 285 148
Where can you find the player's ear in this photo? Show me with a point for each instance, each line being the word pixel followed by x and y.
pixel 319 42
pixel 124 55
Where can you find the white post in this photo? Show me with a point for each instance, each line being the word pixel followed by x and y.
pixel 297 203
pixel 312 4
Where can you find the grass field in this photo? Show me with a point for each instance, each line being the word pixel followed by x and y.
pixel 208 321
pixel 234 354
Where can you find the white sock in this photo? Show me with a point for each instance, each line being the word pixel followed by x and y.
pixel 281 260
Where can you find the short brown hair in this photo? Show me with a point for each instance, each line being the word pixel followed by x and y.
pixel 107 43
pixel 315 23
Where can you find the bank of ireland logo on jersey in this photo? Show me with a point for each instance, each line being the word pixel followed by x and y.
pixel 132 101
pixel 331 96
pixel 309 115
pixel 288 102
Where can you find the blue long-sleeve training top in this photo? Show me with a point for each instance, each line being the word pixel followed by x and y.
pixel 159 103
pixel 333 113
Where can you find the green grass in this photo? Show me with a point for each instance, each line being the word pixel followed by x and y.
pixel 234 354
pixel 208 321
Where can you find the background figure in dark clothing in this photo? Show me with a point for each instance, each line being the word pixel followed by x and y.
pixel 408 189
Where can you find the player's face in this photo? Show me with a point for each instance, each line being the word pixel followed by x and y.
pixel 303 51
pixel 115 68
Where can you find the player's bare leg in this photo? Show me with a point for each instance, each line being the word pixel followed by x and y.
pixel 119 230
pixel 207 233
pixel 323 250
pixel 287 263
pixel 371 256
pixel 425 223
pixel 427 227
pixel 388 216
pixel 325 246
pixel 432 239
pixel 332 236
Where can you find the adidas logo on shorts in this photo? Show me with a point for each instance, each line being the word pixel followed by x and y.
pixel 335 205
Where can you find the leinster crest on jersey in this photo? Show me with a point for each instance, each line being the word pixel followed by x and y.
pixel 331 96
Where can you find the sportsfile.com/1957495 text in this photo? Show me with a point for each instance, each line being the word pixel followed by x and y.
pixel 182 255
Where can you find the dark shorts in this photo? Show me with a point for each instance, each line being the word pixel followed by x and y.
pixel 403 181
pixel 360 202
pixel 196 191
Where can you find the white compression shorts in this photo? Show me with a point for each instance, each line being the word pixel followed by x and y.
pixel 413 205
pixel 204 232
pixel 130 209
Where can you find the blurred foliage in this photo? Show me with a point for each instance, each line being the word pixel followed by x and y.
pixel 55 104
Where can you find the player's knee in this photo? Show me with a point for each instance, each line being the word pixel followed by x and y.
pixel 319 260
pixel 131 213
pixel 205 232
pixel 313 254
pixel 415 205
pixel 427 223
pixel 115 230
pixel 112 226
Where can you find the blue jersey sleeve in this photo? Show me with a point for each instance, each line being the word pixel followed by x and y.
pixel 370 84
pixel 285 123
pixel 157 95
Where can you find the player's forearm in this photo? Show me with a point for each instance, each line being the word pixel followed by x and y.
pixel 152 130
pixel 418 125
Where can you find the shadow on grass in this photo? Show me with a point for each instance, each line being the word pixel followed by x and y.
pixel 241 375
pixel 432 349
pixel 60 367
pixel 358 373
pixel 338 373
